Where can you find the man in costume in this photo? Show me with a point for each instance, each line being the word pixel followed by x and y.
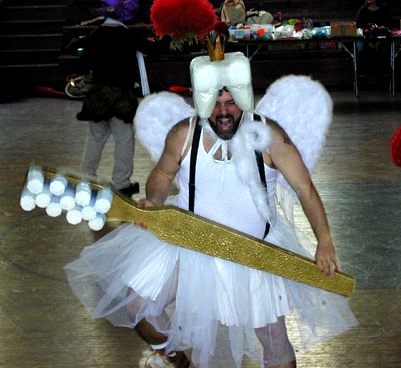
pixel 222 197
pixel 228 162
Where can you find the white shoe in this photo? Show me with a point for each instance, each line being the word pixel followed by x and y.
pixel 154 359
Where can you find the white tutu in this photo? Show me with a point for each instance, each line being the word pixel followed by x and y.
pixel 206 304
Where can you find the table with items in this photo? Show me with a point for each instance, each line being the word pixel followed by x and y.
pixel 254 37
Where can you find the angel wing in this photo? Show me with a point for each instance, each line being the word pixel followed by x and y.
pixel 156 115
pixel 304 109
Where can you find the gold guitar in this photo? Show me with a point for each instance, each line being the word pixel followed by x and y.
pixel 184 229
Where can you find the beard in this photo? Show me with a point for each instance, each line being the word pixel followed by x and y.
pixel 225 126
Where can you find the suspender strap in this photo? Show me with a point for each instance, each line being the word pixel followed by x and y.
pixel 192 167
pixel 261 168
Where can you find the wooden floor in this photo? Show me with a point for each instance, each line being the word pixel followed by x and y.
pixel 43 326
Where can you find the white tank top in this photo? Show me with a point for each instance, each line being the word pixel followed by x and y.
pixel 220 195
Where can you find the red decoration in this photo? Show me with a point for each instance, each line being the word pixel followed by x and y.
pixel 183 19
pixel 395 144
pixel 180 89
pixel 221 27
pixel 43 90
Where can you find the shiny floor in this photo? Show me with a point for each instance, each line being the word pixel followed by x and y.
pixel 41 323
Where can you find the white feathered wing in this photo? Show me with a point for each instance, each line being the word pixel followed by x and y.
pixel 156 115
pixel 304 109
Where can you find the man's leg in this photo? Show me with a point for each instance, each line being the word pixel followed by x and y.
pixel 98 133
pixel 123 167
pixel 155 338
pixel 149 333
pixel 277 349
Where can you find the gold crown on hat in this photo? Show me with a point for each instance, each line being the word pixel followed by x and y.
pixel 216 48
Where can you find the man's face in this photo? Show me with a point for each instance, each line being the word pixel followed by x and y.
pixel 226 116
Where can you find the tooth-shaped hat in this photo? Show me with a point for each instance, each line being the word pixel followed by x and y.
pixel 208 77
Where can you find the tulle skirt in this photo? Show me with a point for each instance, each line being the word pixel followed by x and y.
pixel 219 309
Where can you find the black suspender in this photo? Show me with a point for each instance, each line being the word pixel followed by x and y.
pixel 192 166
pixel 192 171
pixel 261 168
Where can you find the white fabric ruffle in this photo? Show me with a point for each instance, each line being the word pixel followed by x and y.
pixel 200 302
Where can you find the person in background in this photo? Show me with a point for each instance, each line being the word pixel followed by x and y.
pixel 374 12
pixel 109 53
pixel 374 18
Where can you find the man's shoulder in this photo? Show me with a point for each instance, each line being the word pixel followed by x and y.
pixel 182 125
pixel 179 130
pixel 269 122
pixel 277 132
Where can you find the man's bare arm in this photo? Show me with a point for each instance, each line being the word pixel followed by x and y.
pixel 159 182
pixel 286 158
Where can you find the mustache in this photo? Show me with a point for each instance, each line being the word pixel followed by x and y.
pixel 226 116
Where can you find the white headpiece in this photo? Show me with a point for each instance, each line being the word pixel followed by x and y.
pixel 208 77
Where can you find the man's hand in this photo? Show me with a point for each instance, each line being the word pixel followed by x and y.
pixel 143 203
pixel 326 258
